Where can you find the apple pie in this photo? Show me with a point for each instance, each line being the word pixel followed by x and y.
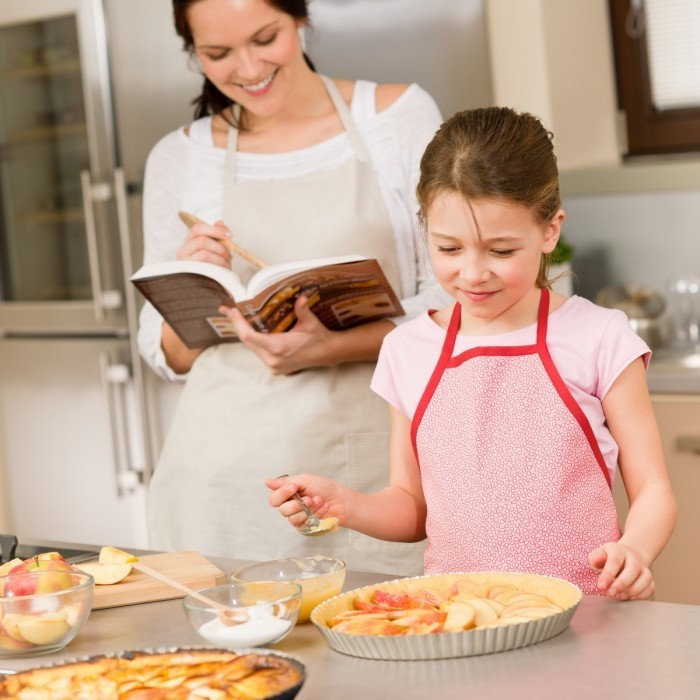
pixel 446 615
pixel 173 675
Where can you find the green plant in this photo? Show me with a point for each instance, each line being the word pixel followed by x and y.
pixel 563 252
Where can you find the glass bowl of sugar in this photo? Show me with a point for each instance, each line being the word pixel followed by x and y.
pixel 244 614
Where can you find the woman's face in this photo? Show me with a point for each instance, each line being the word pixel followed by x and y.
pixel 249 49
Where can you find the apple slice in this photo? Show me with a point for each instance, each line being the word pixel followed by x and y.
pixel 112 555
pixel 106 574
pixel 5 568
pixel 460 616
pixel 10 626
pixel 43 629
pixel 485 614
pixel 73 613
pixel 12 644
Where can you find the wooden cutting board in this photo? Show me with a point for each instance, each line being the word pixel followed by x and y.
pixel 189 568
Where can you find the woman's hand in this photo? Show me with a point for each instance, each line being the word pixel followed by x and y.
pixel 204 243
pixel 623 574
pixel 308 344
pixel 321 495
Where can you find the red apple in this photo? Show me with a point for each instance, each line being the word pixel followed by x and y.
pixel 55 576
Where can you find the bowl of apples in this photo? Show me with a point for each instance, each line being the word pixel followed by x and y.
pixel 44 602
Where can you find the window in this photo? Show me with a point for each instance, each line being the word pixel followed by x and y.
pixel 656 47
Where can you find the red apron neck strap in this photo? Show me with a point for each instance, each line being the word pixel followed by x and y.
pixel 451 335
pixel 543 317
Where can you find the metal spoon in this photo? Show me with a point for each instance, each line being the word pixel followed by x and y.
pixel 314 527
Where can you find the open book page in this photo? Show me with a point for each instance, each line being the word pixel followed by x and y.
pixel 273 273
pixel 340 295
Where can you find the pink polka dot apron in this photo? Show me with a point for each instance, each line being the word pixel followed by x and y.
pixel 513 475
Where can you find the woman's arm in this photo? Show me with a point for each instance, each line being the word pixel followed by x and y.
pixel 396 513
pixel 309 343
pixel 625 565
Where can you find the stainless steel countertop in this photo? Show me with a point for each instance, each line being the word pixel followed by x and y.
pixel 674 373
pixel 633 650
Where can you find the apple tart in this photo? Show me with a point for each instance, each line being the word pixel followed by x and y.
pixel 183 674
pixel 447 615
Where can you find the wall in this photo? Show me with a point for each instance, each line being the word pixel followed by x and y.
pixel 442 45
pixel 633 237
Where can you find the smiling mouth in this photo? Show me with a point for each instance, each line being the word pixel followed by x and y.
pixel 477 296
pixel 261 86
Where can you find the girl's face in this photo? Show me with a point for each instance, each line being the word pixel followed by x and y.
pixel 492 271
pixel 249 49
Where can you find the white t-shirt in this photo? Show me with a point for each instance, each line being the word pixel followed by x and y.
pixel 589 345
pixel 186 172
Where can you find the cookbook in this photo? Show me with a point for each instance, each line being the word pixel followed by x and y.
pixel 342 291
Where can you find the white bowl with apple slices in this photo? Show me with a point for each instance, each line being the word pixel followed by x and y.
pixel 447 615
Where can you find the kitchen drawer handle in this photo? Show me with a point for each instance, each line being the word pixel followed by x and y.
pixel 688 443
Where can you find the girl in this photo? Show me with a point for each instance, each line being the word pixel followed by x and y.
pixel 292 165
pixel 512 407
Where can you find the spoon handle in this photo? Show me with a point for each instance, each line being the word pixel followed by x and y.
pixel 190 220
pixel 313 521
pixel 175 584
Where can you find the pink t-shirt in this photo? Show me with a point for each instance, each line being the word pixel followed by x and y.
pixel 589 345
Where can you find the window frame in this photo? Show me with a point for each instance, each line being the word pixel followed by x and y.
pixel 649 131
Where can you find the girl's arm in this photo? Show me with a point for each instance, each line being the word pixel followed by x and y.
pixel 625 565
pixel 396 513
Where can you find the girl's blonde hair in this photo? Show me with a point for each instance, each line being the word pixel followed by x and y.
pixel 493 153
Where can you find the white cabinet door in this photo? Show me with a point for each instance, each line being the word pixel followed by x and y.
pixel 69 443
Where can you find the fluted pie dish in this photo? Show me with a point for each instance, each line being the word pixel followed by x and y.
pixel 447 615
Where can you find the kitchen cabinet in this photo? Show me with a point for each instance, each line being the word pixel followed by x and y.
pixel 677 570
pixel 565 77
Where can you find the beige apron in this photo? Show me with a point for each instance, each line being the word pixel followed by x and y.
pixel 237 424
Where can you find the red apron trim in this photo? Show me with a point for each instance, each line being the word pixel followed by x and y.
pixel 447 361
pixel 564 393
pixel 445 357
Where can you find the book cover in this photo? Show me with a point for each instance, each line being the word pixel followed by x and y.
pixel 342 292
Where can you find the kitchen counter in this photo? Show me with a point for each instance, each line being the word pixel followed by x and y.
pixel 672 372
pixel 627 650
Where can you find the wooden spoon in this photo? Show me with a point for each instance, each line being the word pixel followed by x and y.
pixel 190 220
pixel 227 615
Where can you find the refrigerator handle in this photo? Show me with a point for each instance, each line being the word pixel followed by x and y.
pixel 93 253
pixel 139 380
pixel 125 479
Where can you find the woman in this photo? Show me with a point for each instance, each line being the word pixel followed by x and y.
pixel 292 165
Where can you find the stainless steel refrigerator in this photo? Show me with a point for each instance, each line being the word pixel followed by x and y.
pixel 86 89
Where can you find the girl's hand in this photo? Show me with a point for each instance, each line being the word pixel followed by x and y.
pixel 307 344
pixel 203 243
pixel 623 575
pixel 321 495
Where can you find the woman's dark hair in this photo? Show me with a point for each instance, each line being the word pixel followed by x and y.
pixel 493 153
pixel 212 100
